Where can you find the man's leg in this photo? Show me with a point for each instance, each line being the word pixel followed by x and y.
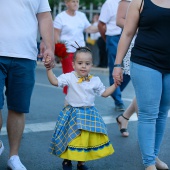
pixel 1 144
pixel 15 128
pixel 21 79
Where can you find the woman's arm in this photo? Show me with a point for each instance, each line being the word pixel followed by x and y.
pixel 92 29
pixel 121 13
pixel 57 33
pixel 130 28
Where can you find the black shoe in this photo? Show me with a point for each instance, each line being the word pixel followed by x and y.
pixel 123 131
pixel 67 165
pixel 82 167
pixel 120 108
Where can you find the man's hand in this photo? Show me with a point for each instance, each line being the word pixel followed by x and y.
pixel 48 59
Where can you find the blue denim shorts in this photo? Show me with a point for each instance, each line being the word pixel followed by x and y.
pixel 18 76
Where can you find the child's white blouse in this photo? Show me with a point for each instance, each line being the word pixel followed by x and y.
pixel 80 94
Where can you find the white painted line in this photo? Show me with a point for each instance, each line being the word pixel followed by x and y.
pixel 45 85
pixel 108 119
pixel 49 126
pixel 127 99
pixel 35 127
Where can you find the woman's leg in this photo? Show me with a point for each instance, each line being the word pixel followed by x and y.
pixel 123 122
pixel 163 112
pixel 148 88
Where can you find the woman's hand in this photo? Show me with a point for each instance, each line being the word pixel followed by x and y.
pixel 117 75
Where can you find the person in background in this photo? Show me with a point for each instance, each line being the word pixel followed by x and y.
pixel 123 118
pixel 150 72
pixel 111 34
pixel 39 56
pixel 18 57
pixel 80 133
pixel 69 26
pixel 101 45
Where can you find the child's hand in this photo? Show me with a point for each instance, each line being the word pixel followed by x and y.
pixel 116 85
pixel 47 59
pixel 48 63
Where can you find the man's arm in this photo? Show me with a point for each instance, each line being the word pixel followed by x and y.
pixel 47 33
pixel 102 29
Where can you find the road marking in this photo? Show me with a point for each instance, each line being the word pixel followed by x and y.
pixel 127 99
pixel 49 126
pixel 45 85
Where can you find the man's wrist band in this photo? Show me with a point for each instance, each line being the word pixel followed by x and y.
pixel 118 65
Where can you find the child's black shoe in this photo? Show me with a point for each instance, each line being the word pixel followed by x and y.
pixel 82 167
pixel 67 165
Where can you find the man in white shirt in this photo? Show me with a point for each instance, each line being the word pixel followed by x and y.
pixel 18 54
pixel 111 34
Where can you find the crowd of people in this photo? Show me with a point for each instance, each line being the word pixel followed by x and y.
pixel 136 49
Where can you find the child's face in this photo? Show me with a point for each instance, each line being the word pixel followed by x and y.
pixel 83 63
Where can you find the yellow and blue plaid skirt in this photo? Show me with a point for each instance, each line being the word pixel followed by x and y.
pixel 80 134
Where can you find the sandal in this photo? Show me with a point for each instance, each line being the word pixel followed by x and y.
pixel 122 130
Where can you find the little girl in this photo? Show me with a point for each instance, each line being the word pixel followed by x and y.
pixel 80 133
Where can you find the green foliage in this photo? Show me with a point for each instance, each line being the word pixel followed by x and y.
pixel 51 2
pixel 95 2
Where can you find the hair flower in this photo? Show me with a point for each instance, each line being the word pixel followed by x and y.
pixel 61 50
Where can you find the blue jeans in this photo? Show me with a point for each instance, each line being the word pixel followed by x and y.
pixel 18 76
pixel 153 100
pixel 111 48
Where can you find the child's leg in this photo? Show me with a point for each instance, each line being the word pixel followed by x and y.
pixel 67 165
pixel 81 166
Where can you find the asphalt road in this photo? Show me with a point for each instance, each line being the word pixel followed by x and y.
pixel 46 103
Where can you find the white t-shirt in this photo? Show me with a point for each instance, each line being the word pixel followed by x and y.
pixel 108 16
pixel 19 27
pixel 72 28
pixel 80 94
